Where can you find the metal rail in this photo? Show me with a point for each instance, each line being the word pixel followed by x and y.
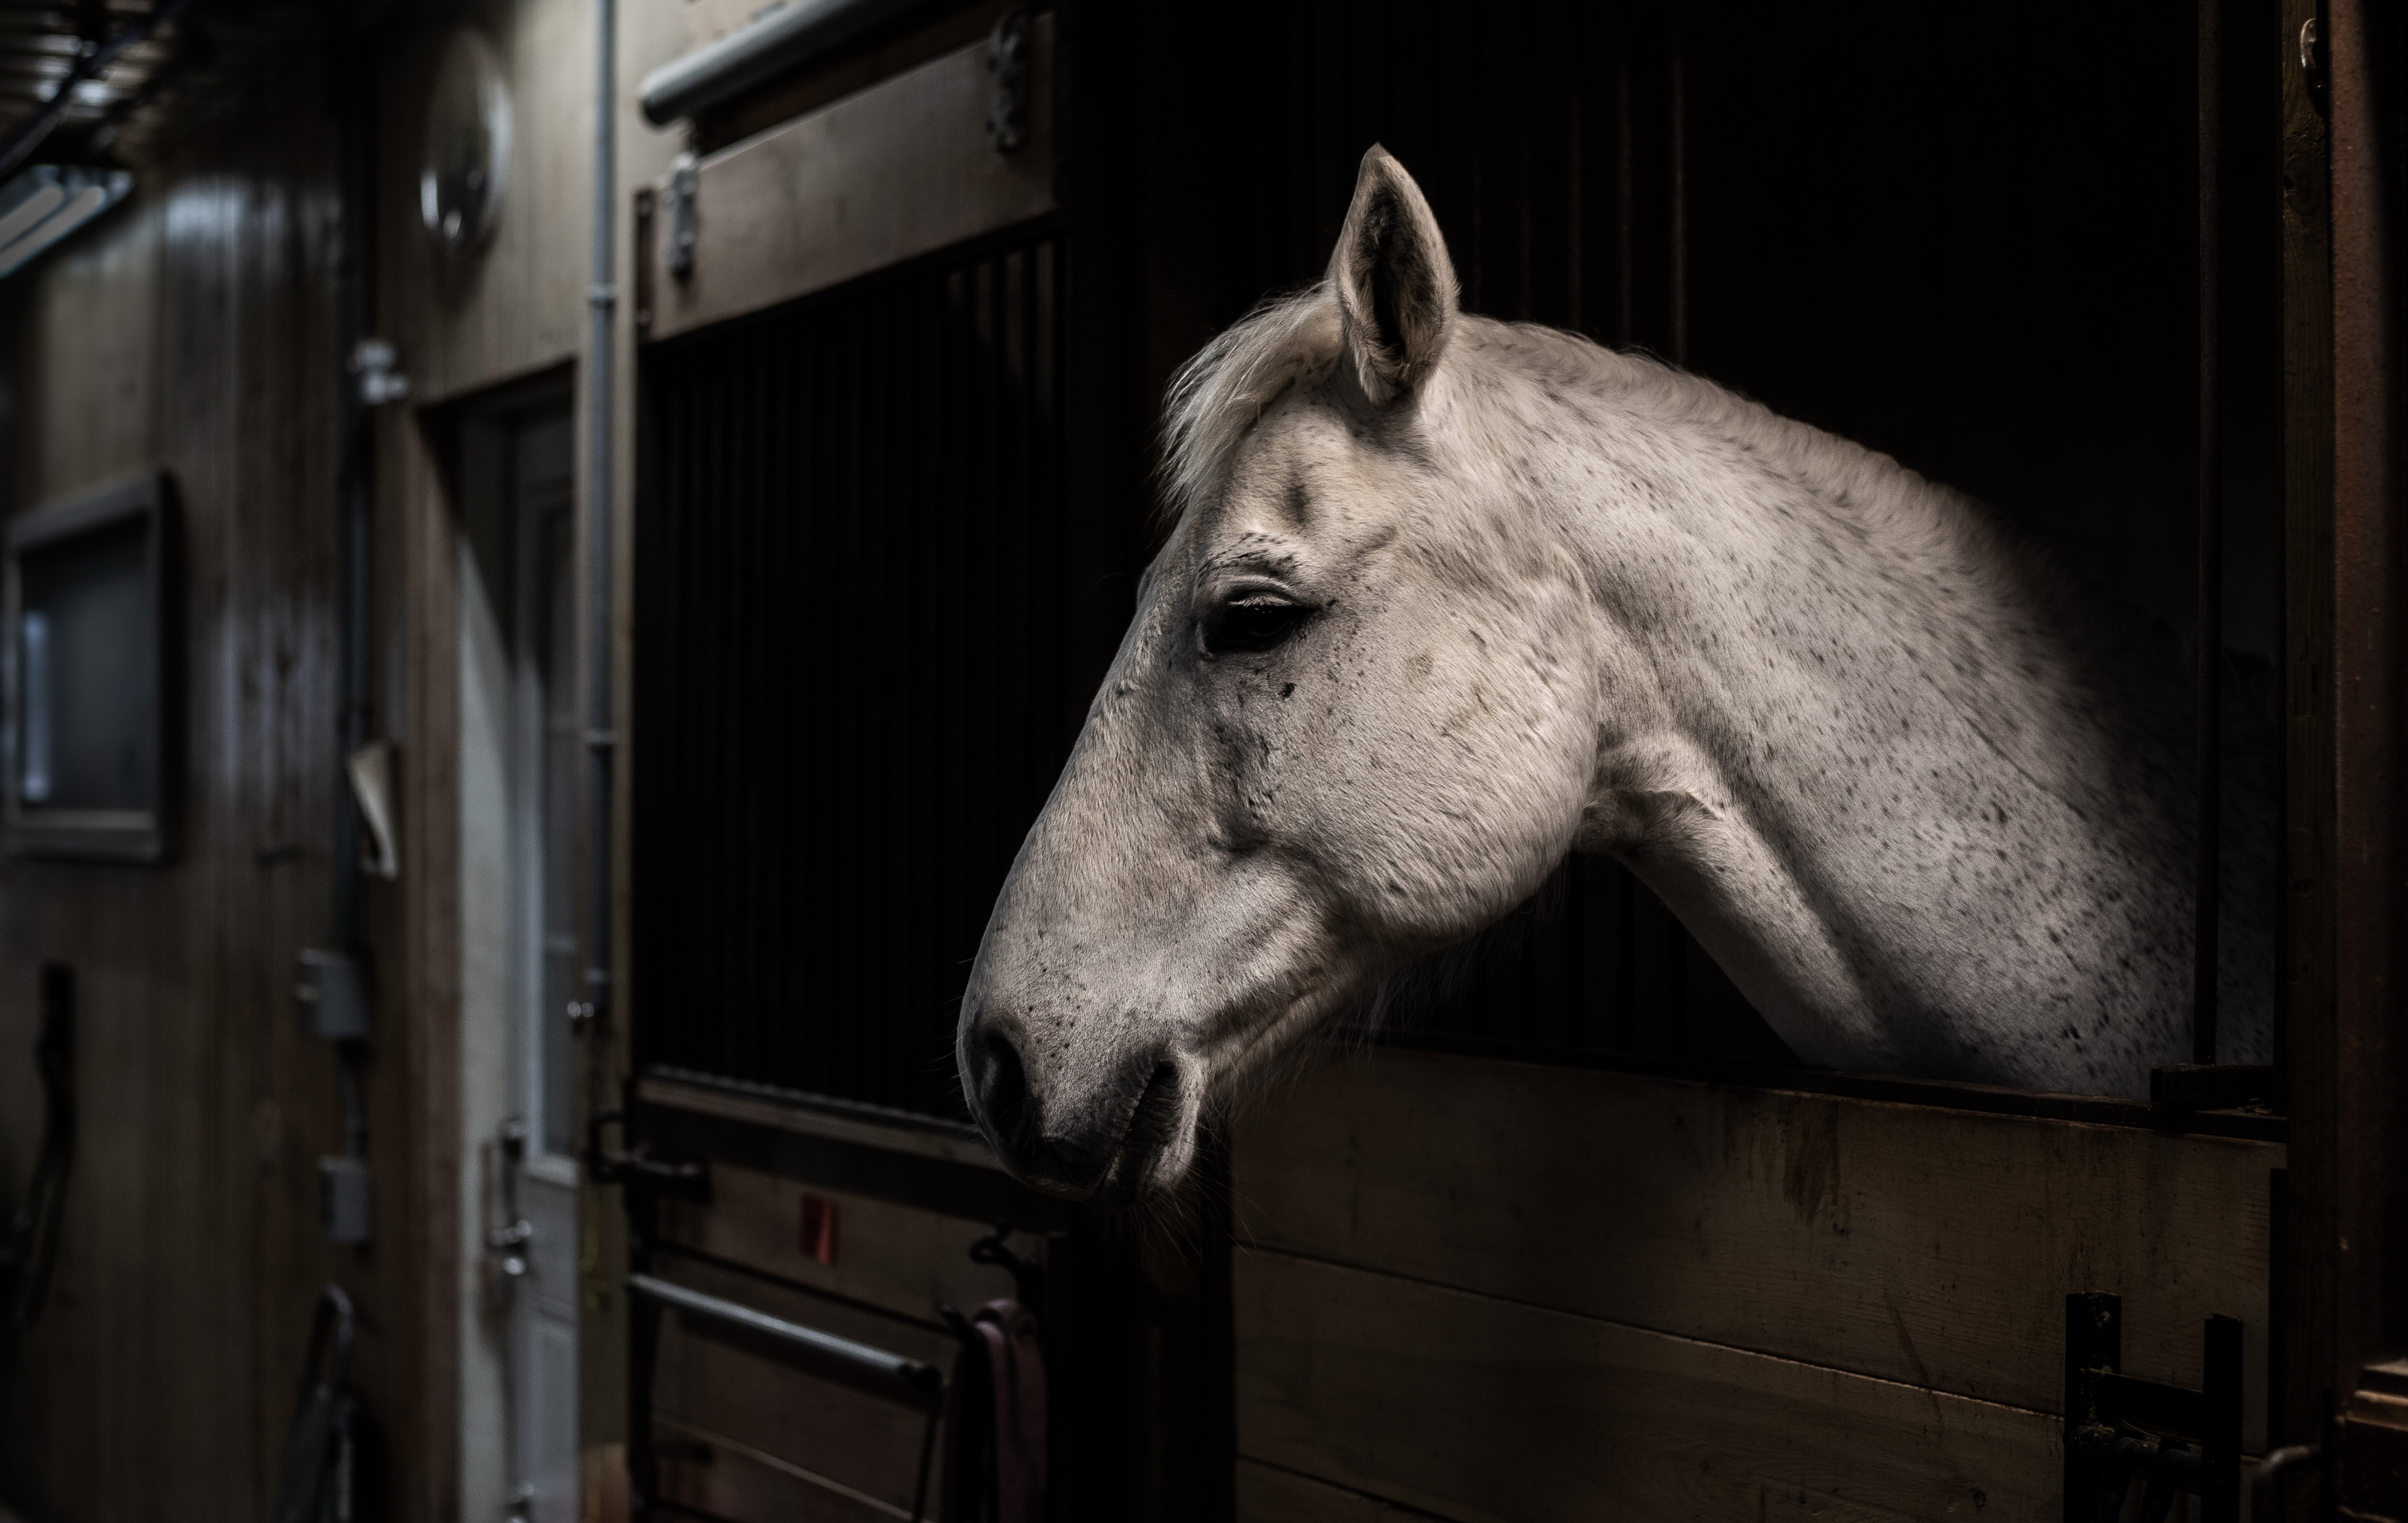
pixel 791 34
pixel 2208 676
pixel 602 305
pixel 921 1382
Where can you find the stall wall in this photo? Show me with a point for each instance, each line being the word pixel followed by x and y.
pixel 1477 1291
pixel 193 330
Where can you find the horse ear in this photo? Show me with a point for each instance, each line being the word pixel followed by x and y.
pixel 1396 286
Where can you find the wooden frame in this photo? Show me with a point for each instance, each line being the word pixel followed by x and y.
pixel 782 215
pixel 116 834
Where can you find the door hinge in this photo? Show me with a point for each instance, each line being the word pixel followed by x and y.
pixel 1007 72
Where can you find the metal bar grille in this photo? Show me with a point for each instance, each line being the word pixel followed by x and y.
pixel 1810 207
pixel 852 685
pixel 1548 139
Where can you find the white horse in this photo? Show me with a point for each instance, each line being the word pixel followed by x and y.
pixel 1448 598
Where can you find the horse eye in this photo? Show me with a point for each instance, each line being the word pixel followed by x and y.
pixel 1255 623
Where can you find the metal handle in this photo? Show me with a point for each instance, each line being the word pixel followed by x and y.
pixel 2266 1486
pixel 924 1381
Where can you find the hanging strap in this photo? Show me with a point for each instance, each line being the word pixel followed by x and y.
pixel 994 1422
pixel 312 1485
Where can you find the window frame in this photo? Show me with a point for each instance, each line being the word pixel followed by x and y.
pixel 144 835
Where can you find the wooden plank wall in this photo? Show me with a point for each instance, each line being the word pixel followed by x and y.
pixel 194 329
pixel 749 1436
pixel 1490 1290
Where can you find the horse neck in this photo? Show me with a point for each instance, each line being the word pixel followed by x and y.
pixel 1880 725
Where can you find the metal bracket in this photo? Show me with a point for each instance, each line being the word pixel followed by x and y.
pixel 685 1181
pixel 378 365
pixel 2120 1429
pixel 685 180
pixel 1007 72
pixel 2211 1087
pixel 507 1241
pixel 1027 1275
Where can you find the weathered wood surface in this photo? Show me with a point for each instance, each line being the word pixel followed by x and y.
pixel 1908 1243
pixel 1480 1409
pixel 890 1256
pixel 953 1143
pixel 194 329
pixel 704 1468
pixel 775 1429
pixel 812 1418
pixel 518 305
pixel 900 169
pixel 1268 1494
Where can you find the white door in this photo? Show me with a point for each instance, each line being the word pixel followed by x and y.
pixel 541 1146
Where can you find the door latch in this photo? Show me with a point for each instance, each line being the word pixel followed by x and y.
pixel 685 181
pixel 508 1240
pixel 2121 1431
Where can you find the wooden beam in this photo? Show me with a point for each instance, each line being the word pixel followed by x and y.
pixel 1479 1409
pixel 1907 1243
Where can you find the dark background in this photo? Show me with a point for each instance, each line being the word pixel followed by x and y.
pixel 1963 237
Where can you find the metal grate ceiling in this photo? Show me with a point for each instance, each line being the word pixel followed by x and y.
pixel 143 76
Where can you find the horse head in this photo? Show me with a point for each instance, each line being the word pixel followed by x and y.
pixel 1352 722
pixel 1448 598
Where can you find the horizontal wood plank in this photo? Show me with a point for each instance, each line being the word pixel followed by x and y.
pixel 924 1138
pixel 900 169
pixel 1908 1243
pixel 706 1469
pixel 890 1256
pixel 1479 1409
pixel 820 1421
pixel 1268 1494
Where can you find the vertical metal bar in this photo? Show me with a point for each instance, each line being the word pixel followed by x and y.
pixel 1626 189
pixel 1680 185
pixel 2220 1409
pixel 2208 681
pixel 357 469
pixel 599 401
pixel 1574 202
pixel 2094 1341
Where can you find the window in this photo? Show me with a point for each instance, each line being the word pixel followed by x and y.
pixel 87 733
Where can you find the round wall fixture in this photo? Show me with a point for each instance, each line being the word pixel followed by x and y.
pixel 464 172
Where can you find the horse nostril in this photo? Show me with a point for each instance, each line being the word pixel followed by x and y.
pixel 1006 1089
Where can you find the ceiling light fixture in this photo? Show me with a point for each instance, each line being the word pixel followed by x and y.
pixel 48 202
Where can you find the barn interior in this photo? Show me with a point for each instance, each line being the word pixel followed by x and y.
pixel 555 548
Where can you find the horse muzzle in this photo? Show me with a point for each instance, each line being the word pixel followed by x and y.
pixel 1112 1142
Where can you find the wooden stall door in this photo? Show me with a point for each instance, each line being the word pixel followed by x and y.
pixel 879 568
pixel 1488 1291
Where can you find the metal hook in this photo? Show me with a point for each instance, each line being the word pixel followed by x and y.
pixel 1027 1277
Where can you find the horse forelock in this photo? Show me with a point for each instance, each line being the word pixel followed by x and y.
pixel 1220 393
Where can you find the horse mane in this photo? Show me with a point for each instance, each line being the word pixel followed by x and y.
pixel 1295 340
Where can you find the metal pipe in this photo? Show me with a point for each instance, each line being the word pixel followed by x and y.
pixel 603 301
pixel 356 469
pixel 355 492
pixel 2208 679
pixel 790 34
pixel 923 1381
